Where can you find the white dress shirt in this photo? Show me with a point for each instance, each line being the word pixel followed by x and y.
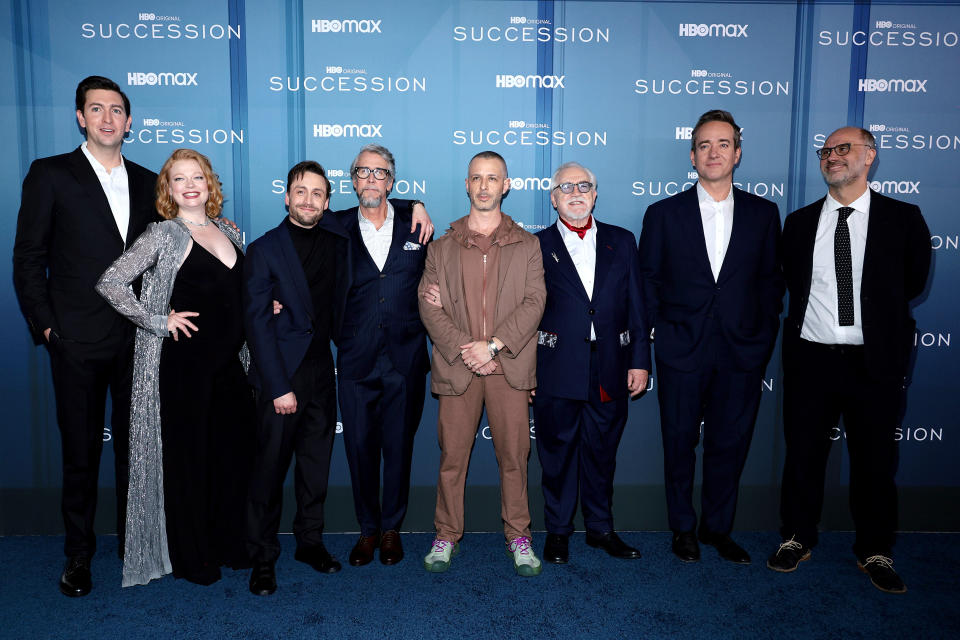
pixel 377 241
pixel 717 219
pixel 116 187
pixel 584 255
pixel 821 322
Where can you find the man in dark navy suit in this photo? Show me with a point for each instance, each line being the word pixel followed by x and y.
pixel 593 355
pixel 713 291
pixel 381 354
pixel 78 213
pixel 303 264
pixel 853 261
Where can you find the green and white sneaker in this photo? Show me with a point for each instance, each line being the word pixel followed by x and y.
pixel 525 562
pixel 438 560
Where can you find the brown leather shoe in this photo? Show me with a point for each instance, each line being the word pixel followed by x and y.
pixel 362 552
pixel 391 549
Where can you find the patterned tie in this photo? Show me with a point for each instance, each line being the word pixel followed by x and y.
pixel 842 262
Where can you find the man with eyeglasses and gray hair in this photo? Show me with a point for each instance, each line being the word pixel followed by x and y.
pixel 382 358
pixel 713 288
pixel 853 261
pixel 593 355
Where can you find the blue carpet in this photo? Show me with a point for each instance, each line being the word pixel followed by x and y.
pixel 480 597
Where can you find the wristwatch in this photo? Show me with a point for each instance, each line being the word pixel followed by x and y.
pixel 493 348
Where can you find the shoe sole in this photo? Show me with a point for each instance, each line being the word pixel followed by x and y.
pixel 804 558
pixel 440 567
pixel 864 569
pixel 525 570
pixel 390 561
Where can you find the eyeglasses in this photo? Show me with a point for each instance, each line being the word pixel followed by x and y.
pixel 364 172
pixel 841 149
pixel 567 187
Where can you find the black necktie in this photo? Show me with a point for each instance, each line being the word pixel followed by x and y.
pixel 842 262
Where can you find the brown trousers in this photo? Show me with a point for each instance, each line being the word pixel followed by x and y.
pixel 459 417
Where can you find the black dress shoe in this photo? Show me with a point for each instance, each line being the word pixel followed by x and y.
pixel 391 549
pixel 362 552
pixel 685 546
pixel 610 542
pixel 788 555
pixel 882 575
pixel 557 548
pixel 263 579
pixel 725 546
pixel 75 580
pixel 319 558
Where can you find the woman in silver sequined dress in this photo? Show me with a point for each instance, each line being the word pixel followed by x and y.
pixel 191 431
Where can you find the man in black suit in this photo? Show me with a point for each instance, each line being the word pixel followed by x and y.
pixel 78 213
pixel 713 288
pixel 853 261
pixel 303 265
pixel 381 354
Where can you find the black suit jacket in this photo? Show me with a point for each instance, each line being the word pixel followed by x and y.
pixel 895 268
pixel 383 302
pixel 272 271
pixel 682 297
pixel 66 238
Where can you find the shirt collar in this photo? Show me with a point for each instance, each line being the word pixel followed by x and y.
pixel 861 204
pixel 564 232
pixel 389 217
pixel 703 196
pixel 97 166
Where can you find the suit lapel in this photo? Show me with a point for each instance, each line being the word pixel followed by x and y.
pixel 604 258
pixel 401 229
pixel 292 262
pixel 557 251
pixel 691 225
pixel 878 224
pixel 741 226
pixel 806 238
pixel 87 178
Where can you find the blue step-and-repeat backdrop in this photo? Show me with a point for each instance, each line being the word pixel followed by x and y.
pixel 617 86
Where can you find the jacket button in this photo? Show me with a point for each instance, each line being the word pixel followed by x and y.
pixel 309 330
pixel 592 311
pixel 382 300
pixel 382 276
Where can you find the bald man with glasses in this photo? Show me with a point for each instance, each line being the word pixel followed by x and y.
pixel 853 261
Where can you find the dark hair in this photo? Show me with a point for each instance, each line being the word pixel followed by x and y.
pixel 716 115
pixel 307 166
pixel 489 155
pixel 99 82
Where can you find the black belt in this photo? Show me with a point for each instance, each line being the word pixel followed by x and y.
pixel 842 349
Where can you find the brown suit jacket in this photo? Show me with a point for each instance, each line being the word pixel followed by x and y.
pixel 521 295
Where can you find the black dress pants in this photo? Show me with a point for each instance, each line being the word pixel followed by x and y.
pixel 821 384
pixel 309 433
pixel 82 373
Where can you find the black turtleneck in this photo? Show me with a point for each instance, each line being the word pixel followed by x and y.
pixel 317 251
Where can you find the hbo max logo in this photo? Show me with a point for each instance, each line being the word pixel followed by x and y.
pixel 884 24
pixel 690 30
pixel 345 26
pixel 522 82
pixel 347 130
pixel 894 85
pixel 165 79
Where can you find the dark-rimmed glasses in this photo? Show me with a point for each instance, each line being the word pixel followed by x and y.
pixel 567 187
pixel 364 172
pixel 841 149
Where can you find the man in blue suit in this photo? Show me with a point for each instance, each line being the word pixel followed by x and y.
pixel 713 287
pixel 302 264
pixel 593 355
pixel 381 354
